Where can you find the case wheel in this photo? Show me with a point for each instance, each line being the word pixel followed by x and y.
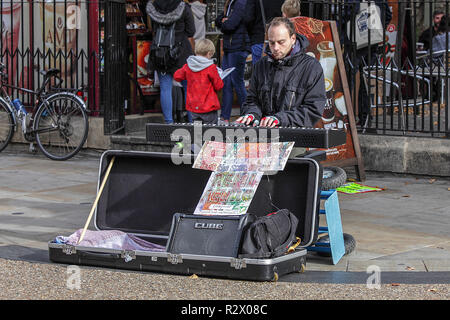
pixel 333 177
pixel 349 243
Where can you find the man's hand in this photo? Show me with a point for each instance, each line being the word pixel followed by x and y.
pixel 224 19
pixel 247 119
pixel 269 121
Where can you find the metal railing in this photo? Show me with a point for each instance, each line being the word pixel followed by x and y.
pixel 70 35
pixel 401 82
pixel 404 87
pixel 40 35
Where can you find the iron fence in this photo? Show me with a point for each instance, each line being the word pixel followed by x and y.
pixel 39 35
pixel 68 35
pixel 399 81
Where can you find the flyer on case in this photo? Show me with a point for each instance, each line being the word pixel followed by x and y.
pixel 228 193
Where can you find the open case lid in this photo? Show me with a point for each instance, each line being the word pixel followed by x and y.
pixel 145 189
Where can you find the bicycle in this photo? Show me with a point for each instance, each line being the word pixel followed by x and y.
pixel 58 122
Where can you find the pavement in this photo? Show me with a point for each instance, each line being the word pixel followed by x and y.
pixel 401 231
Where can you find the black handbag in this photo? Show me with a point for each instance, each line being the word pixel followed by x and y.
pixel 270 236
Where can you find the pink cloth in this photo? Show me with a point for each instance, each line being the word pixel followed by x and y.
pixel 112 239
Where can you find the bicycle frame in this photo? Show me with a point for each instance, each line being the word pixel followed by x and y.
pixel 42 96
pixel 4 95
pixel 58 122
pixel 11 109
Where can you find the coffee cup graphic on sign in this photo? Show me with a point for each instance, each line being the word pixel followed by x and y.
pixel 339 102
pixel 327 58
pixel 328 113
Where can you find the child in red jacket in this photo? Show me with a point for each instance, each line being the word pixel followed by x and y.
pixel 203 81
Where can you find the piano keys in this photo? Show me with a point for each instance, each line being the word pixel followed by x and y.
pixel 197 132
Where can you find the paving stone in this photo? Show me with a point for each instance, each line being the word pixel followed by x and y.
pixel 387 265
pixel 437 265
pixel 392 231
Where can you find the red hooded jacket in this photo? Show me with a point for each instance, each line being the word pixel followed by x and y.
pixel 203 81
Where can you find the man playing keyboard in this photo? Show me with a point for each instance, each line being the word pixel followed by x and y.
pixel 287 87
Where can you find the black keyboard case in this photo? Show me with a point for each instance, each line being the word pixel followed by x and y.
pixel 143 192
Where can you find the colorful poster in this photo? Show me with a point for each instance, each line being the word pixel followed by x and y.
pixel 219 156
pixel 390 48
pixel 210 156
pixel 237 170
pixel 354 188
pixel 322 46
pixel 11 34
pixel 60 37
pixel 228 193
pixel 391 34
pixel 143 54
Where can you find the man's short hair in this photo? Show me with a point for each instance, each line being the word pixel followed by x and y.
pixel 438 12
pixel 204 46
pixel 291 8
pixel 282 21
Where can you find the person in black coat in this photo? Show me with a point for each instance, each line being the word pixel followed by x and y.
pixel 287 87
pixel 254 22
pixel 236 49
pixel 167 12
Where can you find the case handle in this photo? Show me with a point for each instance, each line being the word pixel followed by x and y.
pixel 90 254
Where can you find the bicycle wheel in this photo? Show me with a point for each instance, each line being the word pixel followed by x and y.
pixel 6 125
pixel 61 126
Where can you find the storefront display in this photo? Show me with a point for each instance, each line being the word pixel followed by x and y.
pixel 139 41
pixel 213 10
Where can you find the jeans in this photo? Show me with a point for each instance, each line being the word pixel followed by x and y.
pixel 234 80
pixel 165 85
pixel 257 51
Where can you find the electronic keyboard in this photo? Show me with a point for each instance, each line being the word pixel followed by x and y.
pixel 192 132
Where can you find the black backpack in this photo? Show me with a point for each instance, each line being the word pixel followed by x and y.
pixel 164 51
pixel 270 236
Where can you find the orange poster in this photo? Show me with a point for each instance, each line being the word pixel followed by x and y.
pixel 143 53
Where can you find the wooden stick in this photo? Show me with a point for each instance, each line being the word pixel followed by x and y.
pixel 105 178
